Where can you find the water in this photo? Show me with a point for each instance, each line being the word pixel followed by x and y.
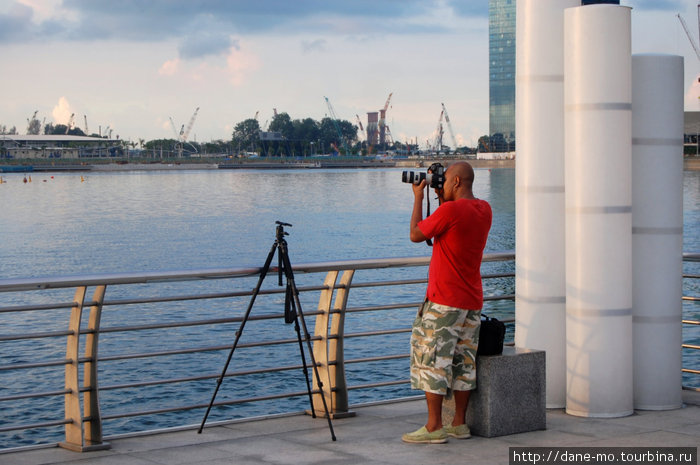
pixel 181 220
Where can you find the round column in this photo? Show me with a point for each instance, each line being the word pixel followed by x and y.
pixel 657 229
pixel 598 114
pixel 540 310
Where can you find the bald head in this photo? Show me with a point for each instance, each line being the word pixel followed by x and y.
pixel 459 179
pixel 464 172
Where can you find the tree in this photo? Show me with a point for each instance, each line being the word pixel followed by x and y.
pixel 282 123
pixel 10 132
pixel 246 135
pixel 483 144
pixel 34 127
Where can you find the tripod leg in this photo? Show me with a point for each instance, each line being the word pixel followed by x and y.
pixel 263 273
pixel 300 317
pixel 303 362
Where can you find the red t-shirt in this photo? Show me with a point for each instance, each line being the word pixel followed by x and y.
pixel 459 229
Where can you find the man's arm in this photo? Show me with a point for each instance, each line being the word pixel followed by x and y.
pixel 417 214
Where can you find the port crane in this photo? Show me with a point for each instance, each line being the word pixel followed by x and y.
pixel 33 126
pixel 70 122
pixel 690 36
pixel 383 128
pixel 181 137
pixel 449 127
pixel 334 119
pixel 439 131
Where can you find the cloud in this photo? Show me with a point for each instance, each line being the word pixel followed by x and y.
pixel 240 65
pixel 159 20
pixel 169 68
pixel 692 96
pixel 62 111
pixel 317 45
pixel 671 5
pixel 16 24
pixel 205 44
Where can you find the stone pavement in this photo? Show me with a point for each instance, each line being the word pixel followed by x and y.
pixel 373 437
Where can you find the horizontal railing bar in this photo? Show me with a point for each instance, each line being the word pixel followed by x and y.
pixel 215 404
pixel 372 308
pixel 182 324
pixel 378 333
pixel 29 284
pixel 691 298
pixel 378 358
pixel 379 384
pixel 688 370
pixel 491 298
pixel 29 308
pixel 688 256
pixel 199 378
pixel 46 424
pixel 204 349
pixel 15 337
pixel 25 366
pixel 690 346
pixel 691 276
pixel 690 322
pixel 217 295
pixel 35 395
pixel 404 282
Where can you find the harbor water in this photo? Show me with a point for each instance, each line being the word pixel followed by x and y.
pixel 136 221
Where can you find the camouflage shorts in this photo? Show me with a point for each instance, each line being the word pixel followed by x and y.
pixel 443 348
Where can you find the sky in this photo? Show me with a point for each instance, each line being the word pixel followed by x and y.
pixel 131 65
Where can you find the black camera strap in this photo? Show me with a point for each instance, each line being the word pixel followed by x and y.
pixel 427 201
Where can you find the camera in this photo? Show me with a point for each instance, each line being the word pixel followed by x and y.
pixel 435 177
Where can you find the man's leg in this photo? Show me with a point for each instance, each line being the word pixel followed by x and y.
pixel 461 404
pixel 434 402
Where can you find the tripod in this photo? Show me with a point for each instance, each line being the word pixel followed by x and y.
pixel 292 313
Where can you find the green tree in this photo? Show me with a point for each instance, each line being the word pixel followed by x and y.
pixel 246 135
pixel 282 123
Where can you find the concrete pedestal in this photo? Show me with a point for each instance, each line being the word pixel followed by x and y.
pixel 510 395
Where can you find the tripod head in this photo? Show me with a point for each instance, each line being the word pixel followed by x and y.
pixel 280 230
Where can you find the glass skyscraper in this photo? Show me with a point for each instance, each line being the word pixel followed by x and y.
pixel 501 75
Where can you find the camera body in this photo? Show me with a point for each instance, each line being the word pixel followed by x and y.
pixel 434 177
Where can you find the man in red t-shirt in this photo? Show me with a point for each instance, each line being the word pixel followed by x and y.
pixel 446 330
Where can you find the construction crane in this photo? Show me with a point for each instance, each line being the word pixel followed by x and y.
pixel 334 119
pixel 33 126
pixel 70 122
pixel 382 120
pixel 359 122
pixel 172 125
pixel 690 36
pixel 438 133
pixel 186 133
pixel 449 126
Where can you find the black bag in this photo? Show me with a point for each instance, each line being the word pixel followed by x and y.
pixel 491 335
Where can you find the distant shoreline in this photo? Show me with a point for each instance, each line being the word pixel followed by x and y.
pixel 689 164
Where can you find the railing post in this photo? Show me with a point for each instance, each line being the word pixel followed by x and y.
pixel 75 435
pixel 336 351
pixel 320 347
pixel 328 350
pixel 91 404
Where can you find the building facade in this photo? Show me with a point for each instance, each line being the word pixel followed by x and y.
pixel 502 75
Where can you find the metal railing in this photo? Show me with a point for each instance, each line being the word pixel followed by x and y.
pixel 39 310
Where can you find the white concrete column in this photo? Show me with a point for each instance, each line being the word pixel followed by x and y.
pixel 540 297
pixel 657 229
pixel 598 124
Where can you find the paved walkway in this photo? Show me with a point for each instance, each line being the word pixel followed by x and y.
pixel 373 437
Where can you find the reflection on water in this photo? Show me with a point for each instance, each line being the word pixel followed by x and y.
pixel 154 221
